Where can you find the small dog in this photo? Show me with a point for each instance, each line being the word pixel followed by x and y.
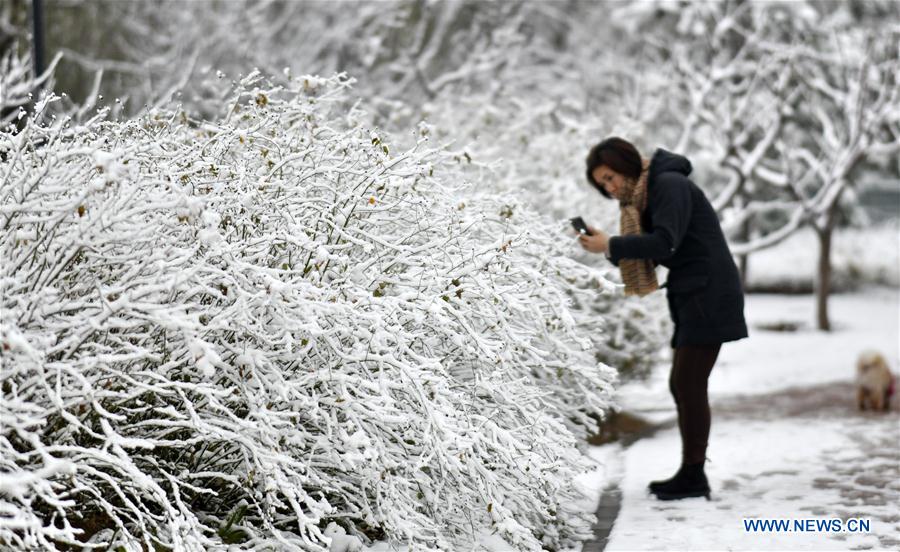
pixel 874 382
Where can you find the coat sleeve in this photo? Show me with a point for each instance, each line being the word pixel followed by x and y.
pixel 670 209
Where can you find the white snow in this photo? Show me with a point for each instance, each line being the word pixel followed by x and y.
pixel 176 314
pixel 761 470
pixel 340 540
pixel 864 255
pixel 766 464
pixel 608 470
pixel 771 360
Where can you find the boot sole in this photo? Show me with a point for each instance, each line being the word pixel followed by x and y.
pixel 678 496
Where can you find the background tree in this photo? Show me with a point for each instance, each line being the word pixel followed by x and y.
pixel 786 103
pixel 20 87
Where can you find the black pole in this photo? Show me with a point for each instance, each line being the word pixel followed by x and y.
pixel 37 20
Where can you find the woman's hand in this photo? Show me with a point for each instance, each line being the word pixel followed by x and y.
pixel 597 242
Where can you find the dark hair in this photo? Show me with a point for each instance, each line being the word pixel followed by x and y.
pixel 617 154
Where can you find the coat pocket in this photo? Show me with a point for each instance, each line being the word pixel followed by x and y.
pixel 688 310
pixel 687 285
pixel 686 303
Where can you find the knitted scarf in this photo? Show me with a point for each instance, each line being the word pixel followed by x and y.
pixel 639 275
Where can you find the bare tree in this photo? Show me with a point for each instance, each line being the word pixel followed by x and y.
pixel 849 115
pixel 789 108
pixel 19 85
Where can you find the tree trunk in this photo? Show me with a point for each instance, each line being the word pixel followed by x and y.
pixel 743 266
pixel 823 279
pixel 743 260
pixel 37 40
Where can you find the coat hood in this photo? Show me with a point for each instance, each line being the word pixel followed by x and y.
pixel 666 161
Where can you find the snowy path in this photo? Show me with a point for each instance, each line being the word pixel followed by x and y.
pixel 771 463
pixel 786 442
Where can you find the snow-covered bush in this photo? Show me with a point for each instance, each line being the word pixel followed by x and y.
pixel 523 89
pixel 535 149
pixel 18 85
pixel 271 330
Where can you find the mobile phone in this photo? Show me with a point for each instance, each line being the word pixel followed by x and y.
pixel 579 226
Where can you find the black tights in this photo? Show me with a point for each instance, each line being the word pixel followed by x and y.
pixel 688 380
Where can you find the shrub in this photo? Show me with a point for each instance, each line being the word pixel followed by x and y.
pixel 271 330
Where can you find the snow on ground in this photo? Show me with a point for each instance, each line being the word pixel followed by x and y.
pixel 774 360
pixel 609 468
pixel 763 469
pixel 786 441
pixel 859 254
pixel 771 360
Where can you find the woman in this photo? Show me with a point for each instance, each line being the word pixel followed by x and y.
pixel 666 219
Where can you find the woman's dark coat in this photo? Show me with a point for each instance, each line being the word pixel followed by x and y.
pixel 682 233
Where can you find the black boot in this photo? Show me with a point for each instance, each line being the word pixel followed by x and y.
pixel 690 481
pixel 655 486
